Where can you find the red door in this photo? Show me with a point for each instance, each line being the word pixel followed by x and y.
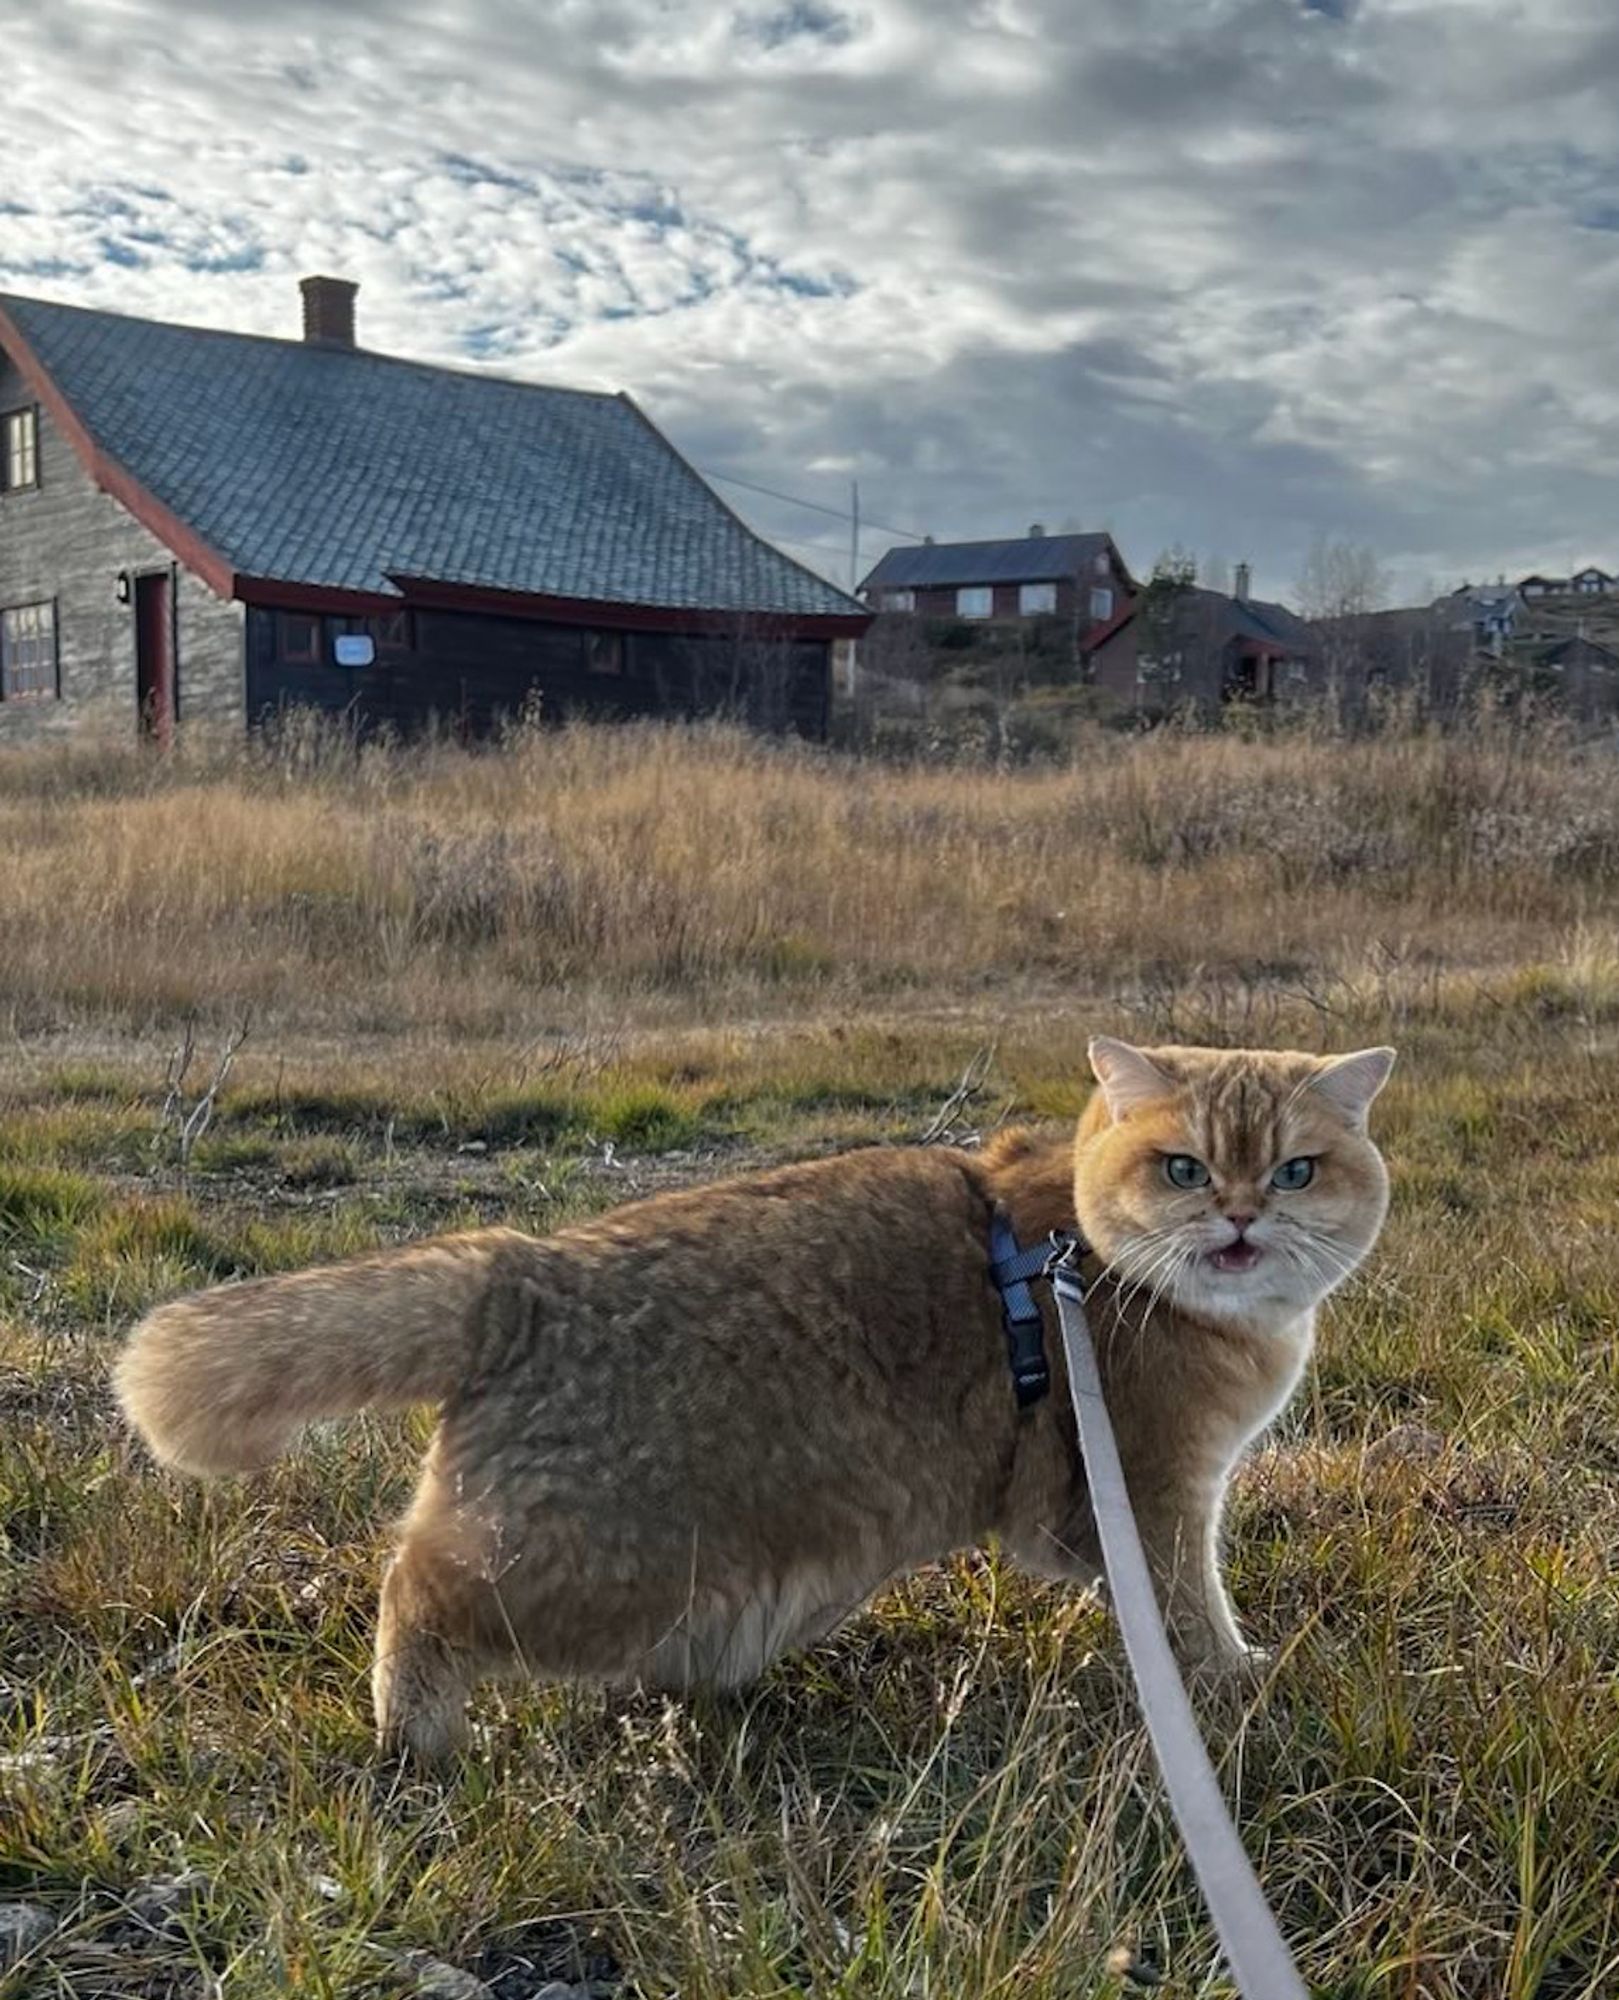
pixel 154 654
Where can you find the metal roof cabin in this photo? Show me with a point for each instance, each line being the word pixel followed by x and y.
pixel 1080 577
pixel 195 523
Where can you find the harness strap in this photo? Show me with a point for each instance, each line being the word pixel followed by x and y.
pixel 1012 1268
pixel 1254 1949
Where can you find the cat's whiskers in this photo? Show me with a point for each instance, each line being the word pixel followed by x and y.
pixel 1137 1257
pixel 1321 1261
pixel 1159 1268
pixel 1138 1263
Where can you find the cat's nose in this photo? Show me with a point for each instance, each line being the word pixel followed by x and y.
pixel 1241 1222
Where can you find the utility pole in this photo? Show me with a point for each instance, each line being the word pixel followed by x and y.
pixel 854 535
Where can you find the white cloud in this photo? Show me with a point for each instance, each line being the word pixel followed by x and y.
pixel 1221 272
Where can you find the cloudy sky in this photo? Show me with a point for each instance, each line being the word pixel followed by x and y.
pixel 1222 273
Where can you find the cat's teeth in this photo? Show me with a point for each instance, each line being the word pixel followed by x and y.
pixel 1236 1257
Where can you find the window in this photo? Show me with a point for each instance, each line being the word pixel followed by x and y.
pixel 1103 566
pixel 20 465
pixel 1101 603
pixel 1033 597
pixel 604 652
pixel 899 600
pixel 299 640
pixel 978 602
pixel 28 653
pixel 392 632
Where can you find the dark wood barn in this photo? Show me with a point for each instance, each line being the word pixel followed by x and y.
pixel 206 525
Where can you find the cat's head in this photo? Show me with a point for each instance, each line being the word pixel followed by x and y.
pixel 1240 1184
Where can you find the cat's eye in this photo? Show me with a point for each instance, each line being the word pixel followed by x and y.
pixel 1185 1172
pixel 1292 1175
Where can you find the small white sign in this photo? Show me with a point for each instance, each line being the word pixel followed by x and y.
pixel 355 649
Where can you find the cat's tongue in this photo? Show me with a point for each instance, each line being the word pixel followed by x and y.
pixel 1241 1256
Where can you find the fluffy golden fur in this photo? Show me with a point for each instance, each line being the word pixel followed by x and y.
pixel 687 1436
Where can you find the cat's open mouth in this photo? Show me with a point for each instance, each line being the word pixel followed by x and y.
pixel 1241 1256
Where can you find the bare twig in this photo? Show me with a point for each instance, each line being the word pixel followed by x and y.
pixel 941 1129
pixel 189 1124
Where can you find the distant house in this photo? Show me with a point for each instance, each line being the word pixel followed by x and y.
pixel 1416 650
pixel 1581 676
pixel 1081 578
pixel 196 524
pixel 1489 611
pixel 1591 581
pixel 1200 648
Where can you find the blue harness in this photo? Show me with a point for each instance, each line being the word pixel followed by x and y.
pixel 1011 1269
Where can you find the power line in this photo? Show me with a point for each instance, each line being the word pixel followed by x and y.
pixel 815 506
pixel 797 542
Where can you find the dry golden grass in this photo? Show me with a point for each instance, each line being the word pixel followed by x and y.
pixel 521 986
pixel 667 869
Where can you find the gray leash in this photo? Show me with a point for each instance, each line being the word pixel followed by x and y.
pixel 1259 1959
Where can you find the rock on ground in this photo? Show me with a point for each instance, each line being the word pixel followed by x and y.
pixel 23 1928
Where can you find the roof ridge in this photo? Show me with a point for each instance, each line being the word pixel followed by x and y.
pixel 300 346
pixel 286 467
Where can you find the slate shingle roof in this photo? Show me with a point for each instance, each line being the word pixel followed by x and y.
pixel 1216 619
pixel 341 468
pixel 1271 624
pixel 1028 559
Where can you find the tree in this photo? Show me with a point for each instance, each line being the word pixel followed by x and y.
pixel 1339 587
pixel 1341 580
pixel 1161 638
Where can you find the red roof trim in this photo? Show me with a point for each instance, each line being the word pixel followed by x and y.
pixel 112 478
pixel 428 593
pixel 275 593
pixel 1100 634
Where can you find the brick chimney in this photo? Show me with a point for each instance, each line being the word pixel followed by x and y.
pixel 1036 531
pixel 1244 581
pixel 328 311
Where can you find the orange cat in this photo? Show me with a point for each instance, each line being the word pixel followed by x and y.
pixel 686 1436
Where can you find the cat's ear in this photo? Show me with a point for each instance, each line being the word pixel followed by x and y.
pixel 1129 1077
pixel 1351 1082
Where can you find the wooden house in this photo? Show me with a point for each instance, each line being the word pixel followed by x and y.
pixel 1187 647
pixel 198 524
pixel 1081 579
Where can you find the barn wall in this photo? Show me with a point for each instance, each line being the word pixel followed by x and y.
pixel 467 670
pixel 66 541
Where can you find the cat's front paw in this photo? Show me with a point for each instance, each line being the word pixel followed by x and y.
pixel 1227 1665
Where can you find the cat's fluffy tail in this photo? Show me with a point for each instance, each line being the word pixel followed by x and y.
pixel 220 1381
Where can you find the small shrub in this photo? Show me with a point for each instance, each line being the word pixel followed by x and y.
pixel 44 1204
pixel 644 1118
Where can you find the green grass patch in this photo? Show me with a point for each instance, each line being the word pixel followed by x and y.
pixel 140 1251
pixel 953 1797
pixel 42 1205
pixel 643 1117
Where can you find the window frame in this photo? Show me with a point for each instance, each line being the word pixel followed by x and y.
pixel 1106 611
pixel 9 692
pixel 286 654
pixel 1047 593
pixel 899 600
pixel 983 593
pixel 26 414
pixel 393 633
pixel 604 654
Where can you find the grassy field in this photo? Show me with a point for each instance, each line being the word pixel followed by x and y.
pixel 526 986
